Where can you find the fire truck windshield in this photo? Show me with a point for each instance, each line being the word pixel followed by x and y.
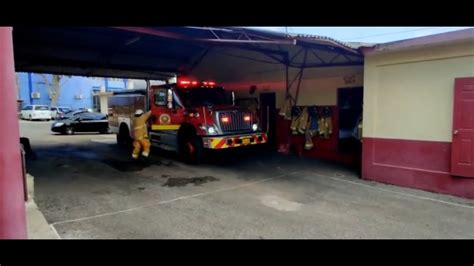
pixel 195 97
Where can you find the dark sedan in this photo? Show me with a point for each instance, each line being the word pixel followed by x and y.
pixel 82 122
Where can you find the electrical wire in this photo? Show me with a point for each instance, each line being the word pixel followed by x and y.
pixel 390 33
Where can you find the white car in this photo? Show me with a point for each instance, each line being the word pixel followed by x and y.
pixel 58 112
pixel 36 112
pixel 54 111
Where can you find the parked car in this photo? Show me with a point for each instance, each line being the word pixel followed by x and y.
pixel 70 114
pixel 59 112
pixel 36 112
pixel 65 109
pixel 82 122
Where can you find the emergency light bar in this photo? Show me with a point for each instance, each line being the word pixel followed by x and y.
pixel 186 83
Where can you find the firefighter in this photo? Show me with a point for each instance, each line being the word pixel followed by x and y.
pixel 140 134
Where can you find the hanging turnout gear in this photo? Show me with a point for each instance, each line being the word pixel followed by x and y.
pixel 321 124
pixel 295 114
pixel 303 121
pixel 325 123
pixel 311 121
pixel 308 144
pixel 328 122
pixel 313 116
pixel 286 110
pixel 140 134
pixel 312 128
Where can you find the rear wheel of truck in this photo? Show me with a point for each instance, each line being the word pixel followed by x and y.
pixel 191 148
pixel 123 137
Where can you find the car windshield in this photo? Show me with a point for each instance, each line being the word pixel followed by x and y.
pixel 41 108
pixel 71 114
pixel 195 97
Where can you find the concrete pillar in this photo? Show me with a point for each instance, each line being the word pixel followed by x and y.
pixel 12 204
pixel 104 105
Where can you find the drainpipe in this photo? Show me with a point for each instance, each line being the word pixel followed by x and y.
pixel 30 88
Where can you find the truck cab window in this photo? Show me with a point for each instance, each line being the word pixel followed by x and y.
pixel 161 97
pixel 204 96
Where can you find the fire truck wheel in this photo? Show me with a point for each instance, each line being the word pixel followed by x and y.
pixel 191 149
pixel 123 137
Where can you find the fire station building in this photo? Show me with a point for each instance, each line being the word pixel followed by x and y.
pixel 417 101
pixel 419 113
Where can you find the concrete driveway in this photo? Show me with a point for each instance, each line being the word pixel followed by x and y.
pixel 88 188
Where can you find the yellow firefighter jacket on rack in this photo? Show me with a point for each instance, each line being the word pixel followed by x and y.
pixel 285 111
pixel 325 125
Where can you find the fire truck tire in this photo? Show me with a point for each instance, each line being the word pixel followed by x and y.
pixel 191 149
pixel 123 137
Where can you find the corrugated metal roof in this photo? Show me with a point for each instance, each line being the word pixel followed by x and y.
pixel 161 52
pixel 319 37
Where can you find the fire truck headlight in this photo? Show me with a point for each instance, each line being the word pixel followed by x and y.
pixel 254 127
pixel 211 130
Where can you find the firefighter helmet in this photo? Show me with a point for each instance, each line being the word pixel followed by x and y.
pixel 138 112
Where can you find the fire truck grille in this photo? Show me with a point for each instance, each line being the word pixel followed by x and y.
pixel 230 121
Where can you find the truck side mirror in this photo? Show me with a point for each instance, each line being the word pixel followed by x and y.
pixel 233 98
pixel 169 99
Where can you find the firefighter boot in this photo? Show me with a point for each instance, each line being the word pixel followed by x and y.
pixel 145 143
pixel 136 149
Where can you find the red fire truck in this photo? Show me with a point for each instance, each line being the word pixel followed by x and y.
pixel 187 117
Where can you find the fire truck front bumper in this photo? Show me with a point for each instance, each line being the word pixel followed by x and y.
pixel 232 141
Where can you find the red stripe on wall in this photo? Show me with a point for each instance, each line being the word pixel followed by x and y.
pixel 412 163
